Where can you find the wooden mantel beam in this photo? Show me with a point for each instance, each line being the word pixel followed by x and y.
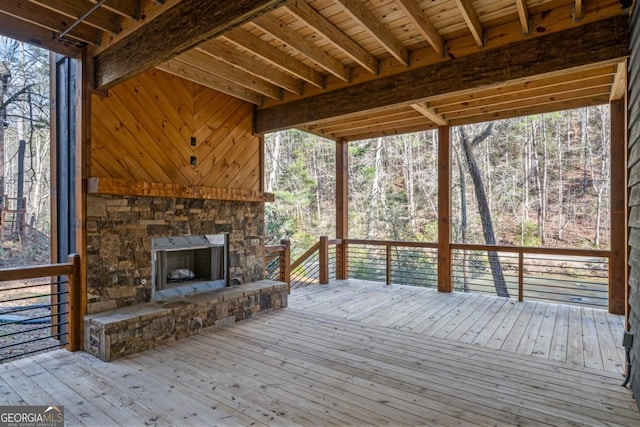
pixel 180 28
pixel 599 42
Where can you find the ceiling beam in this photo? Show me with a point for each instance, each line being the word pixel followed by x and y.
pixel 471 18
pixel 523 15
pixel 232 56
pixel 413 11
pixel 177 30
pixel 196 75
pixel 362 14
pixel 274 56
pixel 598 42
pixel 280 31
pixel 37 36
pixel 340 40
pixel 429 113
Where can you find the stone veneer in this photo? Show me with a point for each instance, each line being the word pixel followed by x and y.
pixel 119 233
pixel 129 330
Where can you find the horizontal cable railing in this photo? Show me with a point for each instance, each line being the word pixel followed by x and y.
pixel 277 260
pixel 317 265
pixel 569 276
pixel 406 263
pixel 39 309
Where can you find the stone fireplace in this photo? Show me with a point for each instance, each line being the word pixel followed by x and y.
pixel 161 268
pixel 121 232
pixel 184 265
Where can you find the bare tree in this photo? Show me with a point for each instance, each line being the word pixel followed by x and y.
pixel 463 225
pixel 468 147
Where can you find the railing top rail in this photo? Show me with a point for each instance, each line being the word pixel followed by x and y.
pixel 534 250
pixel 34 272
pixel 430 245
pixel 275 248
pixel 305 255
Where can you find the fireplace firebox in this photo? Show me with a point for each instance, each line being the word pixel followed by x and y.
pixel 184 265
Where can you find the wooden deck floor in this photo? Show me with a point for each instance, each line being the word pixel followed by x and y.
pixel 300 366
pixel 581 336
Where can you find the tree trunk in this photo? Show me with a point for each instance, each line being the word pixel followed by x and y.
pixel 4 81
pixel 463 225
pixel 483 206
pixel 408 176
pixel 535 162
pixel 376 191
pixel 559 149
pixel 275 162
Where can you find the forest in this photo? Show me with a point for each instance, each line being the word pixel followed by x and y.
pixel 24 149
pixel 545 179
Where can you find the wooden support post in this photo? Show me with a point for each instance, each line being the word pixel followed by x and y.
pixel 342 209
pixel 75 316
pixel 389 265
pixel 618 260
pixel 285 263
pixel 444 209
pixel 520 276
pixel 323 260
pixel 83 169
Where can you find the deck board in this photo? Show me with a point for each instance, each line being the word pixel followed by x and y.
pixel 582 336
pixel 325 360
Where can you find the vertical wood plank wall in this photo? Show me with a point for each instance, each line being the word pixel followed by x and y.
pixel 142 132
pixel 634 202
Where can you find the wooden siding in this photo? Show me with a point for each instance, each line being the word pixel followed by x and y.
pixel 634 203
pixel 142 132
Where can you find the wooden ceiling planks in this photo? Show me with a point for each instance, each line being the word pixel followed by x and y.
pixel 277 52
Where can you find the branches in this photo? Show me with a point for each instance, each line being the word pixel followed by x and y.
pixel 478 138
pixel 15 96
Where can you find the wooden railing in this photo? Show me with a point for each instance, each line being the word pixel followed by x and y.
pixel 277 262
pixel 16 217
pixel 572 276
pixel 62 303
pixel 316 266
pixel 406 263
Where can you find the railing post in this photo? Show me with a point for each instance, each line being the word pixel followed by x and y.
pixel 388 264
pixel 285 263
pixel 76 326
pixel 323 260
pixel 520 275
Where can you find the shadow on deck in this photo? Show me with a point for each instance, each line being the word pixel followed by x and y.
pixel 347 353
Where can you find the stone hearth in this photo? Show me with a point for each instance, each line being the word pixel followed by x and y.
pixel 128 330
